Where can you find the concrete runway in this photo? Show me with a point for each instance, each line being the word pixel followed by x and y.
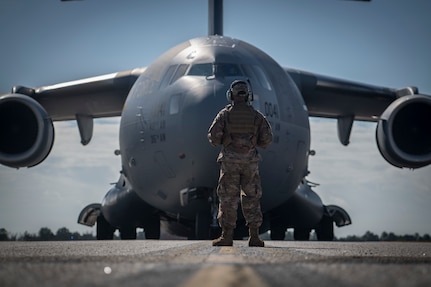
pixel 197 263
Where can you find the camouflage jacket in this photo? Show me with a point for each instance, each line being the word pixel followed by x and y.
pixel 240 146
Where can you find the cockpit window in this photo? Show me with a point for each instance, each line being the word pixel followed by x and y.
pixel 216 69
pixel 173 73
pixel 179 72
pixel 201 70
pixel 227 70
pixel 168 75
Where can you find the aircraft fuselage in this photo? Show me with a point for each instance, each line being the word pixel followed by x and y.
pixel 164 124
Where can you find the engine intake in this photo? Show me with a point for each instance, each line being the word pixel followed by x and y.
pixel 26 131
pixel 404 132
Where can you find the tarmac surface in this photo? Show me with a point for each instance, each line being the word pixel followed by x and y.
pixel 197 263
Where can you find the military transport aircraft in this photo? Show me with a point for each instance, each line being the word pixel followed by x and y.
pixel 168 171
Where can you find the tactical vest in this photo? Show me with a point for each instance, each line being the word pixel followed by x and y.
pixel 240 120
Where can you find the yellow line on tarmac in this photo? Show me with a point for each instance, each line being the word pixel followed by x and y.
pixel 227 254
pixel 229 269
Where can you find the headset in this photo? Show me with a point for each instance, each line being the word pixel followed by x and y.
pixel 249 98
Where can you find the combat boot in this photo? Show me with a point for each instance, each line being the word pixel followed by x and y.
pixel 254 240
pixel 225 239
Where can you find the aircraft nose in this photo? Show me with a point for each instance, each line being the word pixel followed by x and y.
pixel 207 97
pixel 201 105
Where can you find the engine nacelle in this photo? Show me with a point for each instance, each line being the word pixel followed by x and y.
pixel 26 131
pixel 404 132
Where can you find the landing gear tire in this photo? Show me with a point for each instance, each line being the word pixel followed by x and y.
pixel 152 227
pixel 104 231
pixel 128 233
pixel 278 230
pixel 278 233
pixel 325 229
pixel 302 234
pixel 202 225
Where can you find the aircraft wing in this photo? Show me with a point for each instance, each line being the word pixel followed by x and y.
pixel 26 115
pixel 101 96
pixel 403 116
pixel 333 98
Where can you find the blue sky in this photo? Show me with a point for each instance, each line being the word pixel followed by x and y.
pixel 384 42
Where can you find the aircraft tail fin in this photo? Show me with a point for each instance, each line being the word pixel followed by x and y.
pixel 215 17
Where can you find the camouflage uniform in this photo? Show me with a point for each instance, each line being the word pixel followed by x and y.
pixel 240 129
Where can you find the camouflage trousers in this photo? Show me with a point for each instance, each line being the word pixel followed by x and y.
pixel 239 181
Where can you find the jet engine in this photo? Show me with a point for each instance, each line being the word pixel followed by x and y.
pixel 404 132
pixel 26 131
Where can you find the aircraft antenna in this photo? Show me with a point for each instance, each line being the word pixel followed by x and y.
pixel 215 17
